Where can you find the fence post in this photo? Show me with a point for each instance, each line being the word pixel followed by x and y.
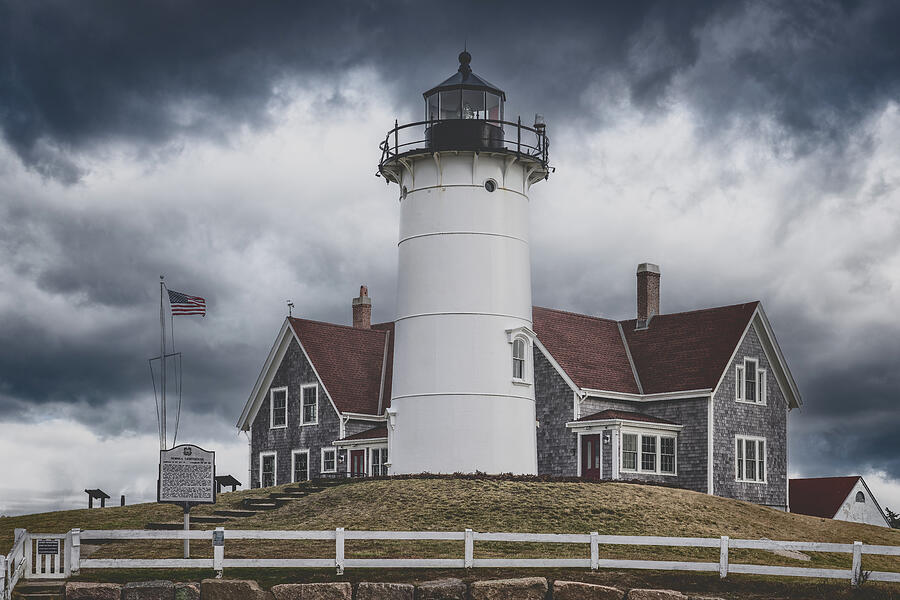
pixel 218 540
pixel 339 550
pixel 595 551
pixel 856 569
pixel 74 561
pixel 470 549
pixel 28 550
pixel 723 557
pixel 2 577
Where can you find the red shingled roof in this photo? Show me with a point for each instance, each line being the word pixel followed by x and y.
pixel 820 496
pixel 348 360
pixel 689 350
pixel 625 415
pixel 677 352
pixel 369 434
pixel 589 349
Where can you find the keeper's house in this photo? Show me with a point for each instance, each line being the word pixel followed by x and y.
pixel 697 399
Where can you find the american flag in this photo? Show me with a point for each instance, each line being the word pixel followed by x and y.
pixel 182 304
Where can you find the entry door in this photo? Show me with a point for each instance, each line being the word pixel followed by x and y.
pixel 358 462
pixel 590 456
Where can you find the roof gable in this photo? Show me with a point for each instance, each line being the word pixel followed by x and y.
pixel 589 349
pixel 687 351
pixel 348 360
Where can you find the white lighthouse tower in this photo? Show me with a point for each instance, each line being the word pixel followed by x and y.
pixel 463 385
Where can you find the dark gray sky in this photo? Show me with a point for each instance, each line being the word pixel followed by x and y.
pixel 752 149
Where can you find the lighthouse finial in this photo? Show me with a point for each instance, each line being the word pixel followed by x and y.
pixel 464 59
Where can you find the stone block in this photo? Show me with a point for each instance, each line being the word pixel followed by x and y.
pixel 149 590
pixel 576 590
pixel 523 588
pixel 385 591
pixel 441 589
pixel 93 591
pixel 233 589
pixel 655 595
pixel 187 591
pixel 313 591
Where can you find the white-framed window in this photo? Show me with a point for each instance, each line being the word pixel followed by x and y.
pixel 750 459
pixel 379 458
pixel 309 404
pixel 649 453
pixel 329 460
pixel 268 469
pixel 750 382
pixel 278 407
pixel 518 359
pixel 299 465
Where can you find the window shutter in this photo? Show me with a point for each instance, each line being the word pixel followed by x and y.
pixel 761 395
pixel 739 382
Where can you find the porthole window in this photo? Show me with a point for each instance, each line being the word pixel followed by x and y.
pixel 860 497
pixel 490 185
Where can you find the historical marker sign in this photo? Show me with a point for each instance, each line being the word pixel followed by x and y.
pixel 48 546
pixel 186 475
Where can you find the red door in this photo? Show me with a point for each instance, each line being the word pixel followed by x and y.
pixel 590 456
pixel 357 463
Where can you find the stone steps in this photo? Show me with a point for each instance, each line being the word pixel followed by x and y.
pixel 40 590
pixel 234 512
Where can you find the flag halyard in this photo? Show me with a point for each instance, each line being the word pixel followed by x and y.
pixel 183 304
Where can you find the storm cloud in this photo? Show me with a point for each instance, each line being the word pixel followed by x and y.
pixel 750 148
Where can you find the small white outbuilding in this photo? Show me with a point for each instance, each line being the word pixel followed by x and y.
pixel 840 498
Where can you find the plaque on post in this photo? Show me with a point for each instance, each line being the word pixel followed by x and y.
pixel 186 477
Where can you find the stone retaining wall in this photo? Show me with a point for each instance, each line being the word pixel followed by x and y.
pixel 524 588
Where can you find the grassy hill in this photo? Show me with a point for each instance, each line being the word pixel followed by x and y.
pixel 488 504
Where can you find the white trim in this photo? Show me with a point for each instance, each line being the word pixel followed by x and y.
pixel 687 394
pixel 578 436
pixel 385 464
pixel 365 451
pixel 557 367
pixel 615 454
pixel 424 395
pixel 294 454
pixel 580 446
pixel 303 421
pixel 457 312
pixel 637 380
pixel 322 461
pixel 591 425
pixel 365 442
pixel 519 334
pixel 741 382
pixel 384 361
pixel 710 431
pixel 272 392
pixel 264 380
pixel 765 461
pixel 274 468
pixel 365 417
pixel 486 233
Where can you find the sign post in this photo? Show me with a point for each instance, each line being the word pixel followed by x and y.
pixel 187 477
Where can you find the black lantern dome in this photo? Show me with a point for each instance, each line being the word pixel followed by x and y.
pixel 464 111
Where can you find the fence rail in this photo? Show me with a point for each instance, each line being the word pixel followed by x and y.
pixel 31 555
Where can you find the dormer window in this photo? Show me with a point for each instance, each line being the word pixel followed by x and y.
pixel 750 382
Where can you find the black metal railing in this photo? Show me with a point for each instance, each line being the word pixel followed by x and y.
pixel 466 134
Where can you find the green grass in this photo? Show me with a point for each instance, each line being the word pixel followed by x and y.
pixel 488 504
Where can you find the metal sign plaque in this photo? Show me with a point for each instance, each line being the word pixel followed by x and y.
pixel 186 475
pixel 48 546
pixel 218 538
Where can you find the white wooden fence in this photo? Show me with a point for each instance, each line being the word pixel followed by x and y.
pixel 24 560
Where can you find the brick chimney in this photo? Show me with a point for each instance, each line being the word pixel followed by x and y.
pixel 647 293
pixel 362 309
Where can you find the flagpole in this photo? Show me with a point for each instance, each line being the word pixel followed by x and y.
pixel 162 361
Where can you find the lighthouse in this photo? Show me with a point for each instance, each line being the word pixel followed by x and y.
pixel 462 398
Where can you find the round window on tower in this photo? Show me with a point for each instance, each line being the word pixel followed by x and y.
pixel 490 185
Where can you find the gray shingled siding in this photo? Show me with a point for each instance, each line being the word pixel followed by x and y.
pixel 294 371
pixel 691 453
pixel 353 426
pixel 735 418
pixel 556 445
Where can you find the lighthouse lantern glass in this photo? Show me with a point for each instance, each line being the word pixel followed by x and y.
pixel 493 107
pixel 450 102
pixel 473 104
